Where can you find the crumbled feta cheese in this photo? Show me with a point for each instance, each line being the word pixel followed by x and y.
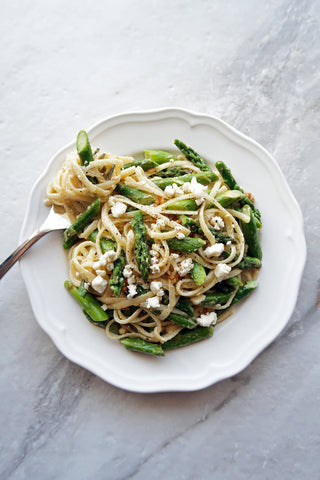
pixel 180 235
pixel 175 255
pixel 186 187
pixel 172 190
pixel 118 209
pixel 99 263
pixel 217 222
pixel 101 272
pixel 207 319
pixel 185 266
pixel 110 267
pixel 132 289
pixel 228 242
pixel 154 253
pixel 153 302
pixel 214 250
pixel 131 280
pixel 109 256
pixel 127 271
pixel 155 268
pixel 99 284
pixel 111 201
pixel 197 299
pixel 156 288
pixel 104 307
pixel 222 270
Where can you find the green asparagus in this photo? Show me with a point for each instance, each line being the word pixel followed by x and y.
pixel 249 262
pixel 216 298
pixel 116 280
pixel 193 157
pixel 198 273
pixel 201 178
pixel 188 204
pixel 105 244
pixel 135 195
pixel 185 305
pixel 84 148
pixel 186 245
pixel 182 320
pixel 141 248
pixel 230 197
pixel 140 345
pixel 172 172
pixel 227 176
pixel 243 291
pixel 71 234
pixel 186 337
pixel 90 305
pixel 251 236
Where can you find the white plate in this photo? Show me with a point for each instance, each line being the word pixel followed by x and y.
pixel 236 342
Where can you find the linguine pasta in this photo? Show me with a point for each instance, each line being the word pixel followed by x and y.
pixel 180 283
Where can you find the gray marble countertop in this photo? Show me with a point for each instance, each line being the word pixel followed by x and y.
pixel 67 65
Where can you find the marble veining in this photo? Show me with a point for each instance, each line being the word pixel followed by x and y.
pixel 65 67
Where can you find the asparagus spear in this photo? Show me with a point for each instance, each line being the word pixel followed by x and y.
pixel 140 345
pixel 84 148
pixel 90 304
pixel 135 195
pixel 186 337
pixel 116 280
pixel 159 156
pixel 105 244
pixel 188 204
pixel 182 320
pixel 251 236
pixel 193 156
pixel 71 234
pixel 230 181
pixel 243 291
pixel 198 273
pixel 172 172
pixel 185 305
pixel 229 198
pixel 216 298
pixel 201 178
pixel 249 262
pixel 194 226
pixel 187 245
pixel 227 176
pixel 141 248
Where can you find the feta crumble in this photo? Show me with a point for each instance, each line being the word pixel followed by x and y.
pixel 118 209
pixel 155 268
pixel 207 319
pixel 172 190
pixel 217 222
pixel 180 235
pixel 127 271
pixel 156 288
pixel 221 270
pixel 184 267
pixel 132 289
pixel 214 250
pixel 99 284
pixel 153 302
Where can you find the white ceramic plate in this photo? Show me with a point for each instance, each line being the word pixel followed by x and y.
pixel 236 342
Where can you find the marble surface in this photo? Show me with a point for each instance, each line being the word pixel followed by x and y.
pixel 65 66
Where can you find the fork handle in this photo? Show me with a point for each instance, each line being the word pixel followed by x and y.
pixel 21 250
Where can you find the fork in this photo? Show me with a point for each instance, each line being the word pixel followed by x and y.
pixel 54 221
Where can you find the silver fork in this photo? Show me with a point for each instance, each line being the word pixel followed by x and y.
pixel 54 221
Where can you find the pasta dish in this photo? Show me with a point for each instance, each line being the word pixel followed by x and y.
pixel 160 247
